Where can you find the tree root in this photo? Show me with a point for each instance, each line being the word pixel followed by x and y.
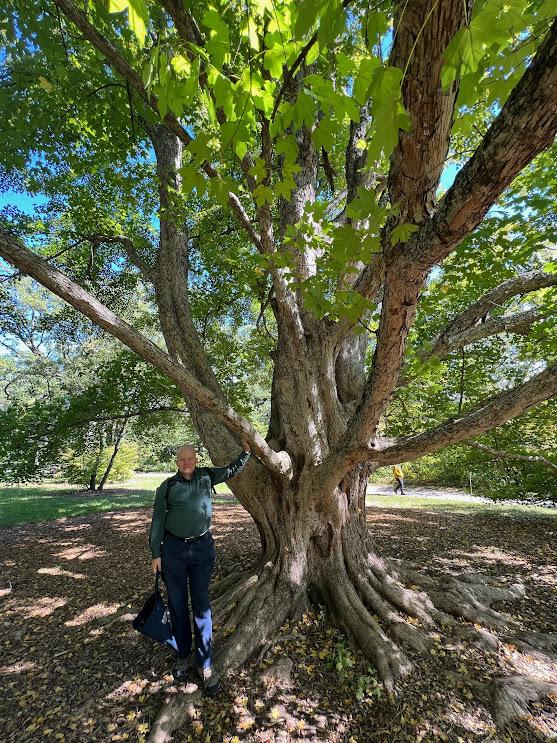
pixel 374 585
pixel 176 710
pixel 264 602
pixel 511 695
pixel 385 607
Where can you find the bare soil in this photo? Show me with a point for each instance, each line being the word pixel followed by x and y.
pixel 73 669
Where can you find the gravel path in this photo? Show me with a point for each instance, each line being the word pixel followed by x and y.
pixel 420 491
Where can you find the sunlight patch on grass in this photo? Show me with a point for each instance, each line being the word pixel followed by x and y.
pixel 40 607
pixel 82 552
pixel 20 667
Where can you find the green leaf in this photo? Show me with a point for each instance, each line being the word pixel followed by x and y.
pixel 259 170
pixel 364 78
pixel 249 32
pixel 137 15
pixel 304 111
pixel 223 91
pixel 388 113
pixel 192 180
pixel 332 23
pixel 324 134
pixel 218 44
pixel 162 102
pixel 263 195
pixel 273 60
pixel 181 64
pixel 284 189
pixel 377 26
pixel 219 188
pixel 210 106
pixel 308 13
pixel 240 147
pixel 401 233
pixel 200 148
pixel 346 66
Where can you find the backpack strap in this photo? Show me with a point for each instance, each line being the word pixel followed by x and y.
pixel 169 483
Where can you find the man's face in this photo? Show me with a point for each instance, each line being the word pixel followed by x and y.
pixel 186 459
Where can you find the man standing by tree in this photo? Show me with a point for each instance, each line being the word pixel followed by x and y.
pixel 182 549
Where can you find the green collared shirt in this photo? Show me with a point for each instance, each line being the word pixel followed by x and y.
pixel 187 512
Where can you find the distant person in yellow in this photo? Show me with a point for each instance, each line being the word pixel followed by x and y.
pixel 399 477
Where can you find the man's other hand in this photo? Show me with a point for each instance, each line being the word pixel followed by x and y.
pixel 157 565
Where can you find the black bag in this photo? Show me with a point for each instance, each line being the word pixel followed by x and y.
pixel 154 620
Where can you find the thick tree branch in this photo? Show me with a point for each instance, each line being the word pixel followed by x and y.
pixel 520 323
pixel 29 263
pixel 186 26
pixel 121 65
pixel 423 30
pixel 519 285
pixel 525 127
pixel 499 409
pixel 510 455
pixel 382 451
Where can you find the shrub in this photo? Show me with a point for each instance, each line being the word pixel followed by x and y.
pixel 78 468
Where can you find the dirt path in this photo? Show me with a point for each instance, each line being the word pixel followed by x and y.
pixel 73 669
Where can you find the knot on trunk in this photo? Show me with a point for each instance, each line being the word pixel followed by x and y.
pixel 325 540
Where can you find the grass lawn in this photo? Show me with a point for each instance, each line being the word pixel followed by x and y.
pixel 473 507
pixel 56 500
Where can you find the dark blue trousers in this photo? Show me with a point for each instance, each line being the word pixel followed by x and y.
pixel 188 568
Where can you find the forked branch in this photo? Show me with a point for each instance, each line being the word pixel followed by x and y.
pixel 494 299
pixel 520 323
pixel 525 127
pixel 499 409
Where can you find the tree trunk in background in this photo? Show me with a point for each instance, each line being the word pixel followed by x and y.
pixel 117 442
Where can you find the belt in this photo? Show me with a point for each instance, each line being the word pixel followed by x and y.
pixel 189 540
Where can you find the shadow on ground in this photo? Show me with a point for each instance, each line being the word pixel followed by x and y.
pixel 73 669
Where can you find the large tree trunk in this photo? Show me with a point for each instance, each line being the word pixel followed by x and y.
pixel 318 550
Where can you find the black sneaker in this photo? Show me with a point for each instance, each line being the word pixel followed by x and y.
pixel 181 670
pixel 211 681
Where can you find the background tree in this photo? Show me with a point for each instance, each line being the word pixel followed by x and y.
pixel 71 397
pixel 264 109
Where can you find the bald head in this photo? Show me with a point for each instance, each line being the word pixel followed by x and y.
pixel 186 459
pixel 186 449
